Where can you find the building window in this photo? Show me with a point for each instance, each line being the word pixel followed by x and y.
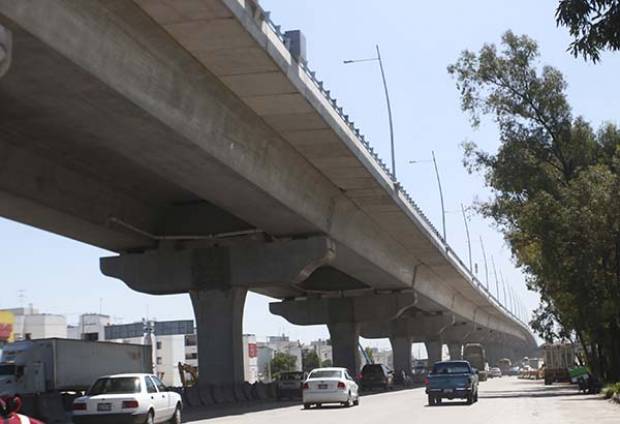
pixel 191 355
pixel 159 360
pixel 158 345
pixel 90 337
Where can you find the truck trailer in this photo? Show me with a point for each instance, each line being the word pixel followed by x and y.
pixel 64 365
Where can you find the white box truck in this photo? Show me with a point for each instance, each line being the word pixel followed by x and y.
pixel 62 365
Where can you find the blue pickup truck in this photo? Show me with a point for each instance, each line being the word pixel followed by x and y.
pixel 452 380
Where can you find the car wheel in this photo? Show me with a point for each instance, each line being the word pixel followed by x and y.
pixel 470 399
pixel 150 419
pixel 431 400
pixel 306 406
pixel 176 417
pixel 318 405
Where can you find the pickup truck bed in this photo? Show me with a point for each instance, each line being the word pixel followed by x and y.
pixel 452 380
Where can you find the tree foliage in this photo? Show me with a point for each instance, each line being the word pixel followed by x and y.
pixel 282 362
pixel 555 185
pixel 594 25
pixel 310 360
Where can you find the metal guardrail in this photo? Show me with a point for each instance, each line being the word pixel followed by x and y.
pixel 398 187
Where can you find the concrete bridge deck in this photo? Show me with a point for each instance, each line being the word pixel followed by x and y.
pixel 187 137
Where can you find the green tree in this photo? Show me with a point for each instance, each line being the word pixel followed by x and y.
pixel 282 362
pixel 593 24
pixel 555 192
pixel 327 363
pixel 310 360
pixel 369 354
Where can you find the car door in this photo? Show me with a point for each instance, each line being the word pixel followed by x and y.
pixel 352 384
pixel 155 399
pixel 164 394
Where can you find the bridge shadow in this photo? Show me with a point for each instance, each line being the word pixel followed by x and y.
pixel 219 411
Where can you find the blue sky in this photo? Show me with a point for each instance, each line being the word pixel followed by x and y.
pixel 418 40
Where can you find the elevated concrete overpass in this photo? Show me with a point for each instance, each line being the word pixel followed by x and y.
pixel 191 138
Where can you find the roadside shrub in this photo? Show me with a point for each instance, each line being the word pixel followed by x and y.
pixel 611 389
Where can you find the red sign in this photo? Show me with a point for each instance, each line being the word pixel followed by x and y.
pixel 6 330
pixel 252 350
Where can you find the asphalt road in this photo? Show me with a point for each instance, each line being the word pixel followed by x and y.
pixel 503 401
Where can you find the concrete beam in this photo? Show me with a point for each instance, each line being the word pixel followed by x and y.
pixel 251 265
pixel 359 309
pixel 418 327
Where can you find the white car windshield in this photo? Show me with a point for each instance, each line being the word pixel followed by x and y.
pixel 119 385
pixel 325 374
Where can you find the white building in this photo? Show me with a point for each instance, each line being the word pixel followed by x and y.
pixel 277 344
pixel 169 344
pixel 30 324
pixel 250 358
pixel 322 349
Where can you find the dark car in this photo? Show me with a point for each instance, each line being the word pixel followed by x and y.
pixel 376 375
pixel 452 380
pixel 289 384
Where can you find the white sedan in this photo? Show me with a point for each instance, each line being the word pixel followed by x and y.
pixel 128 398
pixel 330 385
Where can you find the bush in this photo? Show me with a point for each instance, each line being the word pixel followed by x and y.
pixel 611 389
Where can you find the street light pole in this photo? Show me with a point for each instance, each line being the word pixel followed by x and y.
pixel 389 110
pixel 486 267
pixel 468 239
pixel 387 101
pixel 443 210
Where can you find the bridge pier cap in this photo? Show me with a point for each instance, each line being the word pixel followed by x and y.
pixel 217 279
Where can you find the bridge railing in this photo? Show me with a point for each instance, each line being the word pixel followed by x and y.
pixel 397 186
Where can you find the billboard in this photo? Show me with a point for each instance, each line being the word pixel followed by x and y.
pixel 7 321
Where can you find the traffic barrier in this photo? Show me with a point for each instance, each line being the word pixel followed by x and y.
pixel 259 391
pixel 192 396
pixel 247 390
pixel 272 390
pixel 205 395
pixel 50 408
pixel 238 393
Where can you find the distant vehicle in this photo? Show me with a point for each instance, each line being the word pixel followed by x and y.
pixel 376 375
pixel 495 372
pixel 504 365
pixel 289 384
pixel 452 380
pixel 128 398
pixel 54 365
pixel 330 385
pixel 559 358
pixel 475 354
pixel 517 370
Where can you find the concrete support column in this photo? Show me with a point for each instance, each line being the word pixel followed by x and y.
pixel 456 351
pixel 433 349
pixel 219 322
pixel 401 350
pixel 345 345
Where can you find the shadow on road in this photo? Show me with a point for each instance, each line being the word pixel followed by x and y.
pixel 563 390
pixel 219 411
